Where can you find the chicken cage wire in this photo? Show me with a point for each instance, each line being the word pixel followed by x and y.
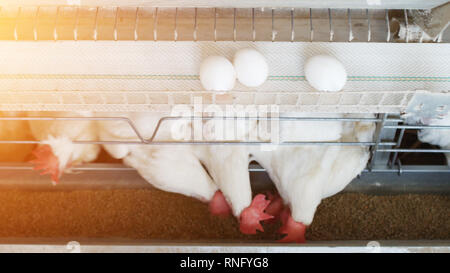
pixel 96 36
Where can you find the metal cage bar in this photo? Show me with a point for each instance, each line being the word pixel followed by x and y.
pixel 381 124
pixel 288 21
pixel 377 146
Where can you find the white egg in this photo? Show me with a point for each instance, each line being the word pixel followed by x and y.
pixel 325 73
pixel 217 74
pixel 251 67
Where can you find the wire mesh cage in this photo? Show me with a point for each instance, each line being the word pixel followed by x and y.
pixel 143 29
pixel 99 62
pixel 209 24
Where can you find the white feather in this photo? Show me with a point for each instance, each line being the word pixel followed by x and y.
pixel 304 175
pixel 228 165
pixel 60 134
pixel 170 168
pixel 439 137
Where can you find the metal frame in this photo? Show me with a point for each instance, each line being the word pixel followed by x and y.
pixel 151 141
pixel 384 123
pixel 397 4
pixel 409 178
pixel 376 176
pixel 82 245
pixel 75 245
pixel 377 146
pixel 290 24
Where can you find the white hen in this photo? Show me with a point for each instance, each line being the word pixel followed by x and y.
pixel 167 167
pixel 120 129
pixel 439 137
pixel 228 167
pixel 304 175
pixel 173 169
pixel 58 153
pixel 310 130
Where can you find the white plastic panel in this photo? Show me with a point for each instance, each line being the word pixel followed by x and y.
pixel 141 76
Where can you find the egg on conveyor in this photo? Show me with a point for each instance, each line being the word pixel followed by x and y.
pixel 251 67
pixel 217 74
pixel 325 73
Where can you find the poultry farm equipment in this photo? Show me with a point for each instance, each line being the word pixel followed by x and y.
pixel 118 57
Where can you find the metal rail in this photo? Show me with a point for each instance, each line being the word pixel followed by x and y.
pixel 377 146
pixel 152 140
pixel 253 167
pixel 97 176
pixel 66 245
pixel 286 21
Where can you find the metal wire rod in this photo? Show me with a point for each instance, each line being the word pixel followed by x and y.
pixel 253 25
pixel 195 25
pixel 331 25
pixel 399 166
pixel 95 34
pixel 16 35
pixel 399 142
pixel 273 25
pixel 311 28
pixel 284 118
pixel 350 29
pixel 55 29
pixel 35 23
pixel 155 25
pixel 253 167
pixel 175 31
pixel 417 126
pixel 136 25
pixel 215 25
pixel 388 27
pixel 75 29
pixel 116 22
pixel 369 28
pixel 234 25
pixel 406 25
pixel 378 131
pixel 414 150
pixel 292 25
pixel 182 142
